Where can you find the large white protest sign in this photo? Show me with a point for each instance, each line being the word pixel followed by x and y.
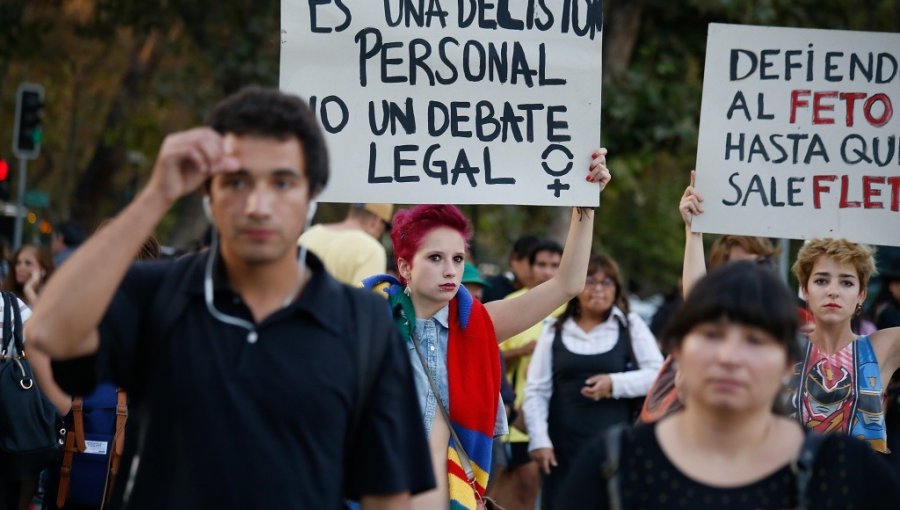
pixel 798 136
pixel 450 101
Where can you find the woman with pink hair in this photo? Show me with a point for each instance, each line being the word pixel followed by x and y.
pixel 452 338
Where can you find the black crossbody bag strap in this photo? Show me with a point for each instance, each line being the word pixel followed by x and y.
pixel 12 303
pixel 7 347
pixel 17 322
pixel 12 335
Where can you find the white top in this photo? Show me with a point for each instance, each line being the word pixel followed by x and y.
pixel 25 312
pixel 602 338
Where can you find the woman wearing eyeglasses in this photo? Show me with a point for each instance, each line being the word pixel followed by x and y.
pixel 586 368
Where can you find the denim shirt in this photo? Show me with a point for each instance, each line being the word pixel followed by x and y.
pixel 433 335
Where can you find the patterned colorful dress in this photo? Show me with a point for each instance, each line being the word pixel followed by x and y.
pixel 841 393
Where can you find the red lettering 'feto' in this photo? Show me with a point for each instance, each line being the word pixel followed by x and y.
pixel 818 107
pixel 850 99
pixel 796 102
pixel 820 186
pixel 886 113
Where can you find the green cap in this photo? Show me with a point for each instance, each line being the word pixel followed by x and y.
pixel 470 275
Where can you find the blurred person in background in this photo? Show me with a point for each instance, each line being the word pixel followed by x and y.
pixel 32 265
pixel 473 281
pixel 519 485
pixel 518 275
pixel 886 310
pixel 67 236
pixel 886 307
pixel 351 250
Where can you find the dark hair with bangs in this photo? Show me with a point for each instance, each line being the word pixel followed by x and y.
pixel 742 292
pixel 270 113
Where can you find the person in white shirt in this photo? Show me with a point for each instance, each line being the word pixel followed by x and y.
pixel 583 373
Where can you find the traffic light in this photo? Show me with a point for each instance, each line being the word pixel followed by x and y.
pixel 4 180
pixel 27 134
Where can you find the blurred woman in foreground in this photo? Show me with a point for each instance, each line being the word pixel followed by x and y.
pixel 734 340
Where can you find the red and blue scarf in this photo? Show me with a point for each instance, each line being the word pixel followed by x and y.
pixel 473 370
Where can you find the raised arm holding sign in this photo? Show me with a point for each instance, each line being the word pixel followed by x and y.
pixel 462 102
pixel 798 137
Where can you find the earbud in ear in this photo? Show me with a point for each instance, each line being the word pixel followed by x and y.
pixel 312 211
pixel 207 211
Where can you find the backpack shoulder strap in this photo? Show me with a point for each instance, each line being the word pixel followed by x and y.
pixel 611 465
pixel 115 458
pixel 78 423
pixel 804 464
pixel 74 443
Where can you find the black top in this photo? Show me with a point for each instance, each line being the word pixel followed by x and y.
pixel 498 287
pixel 574 419
pixel 889 317
pixel 847 475
pixel 230 424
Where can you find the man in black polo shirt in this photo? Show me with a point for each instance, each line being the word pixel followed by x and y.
pixel 241 363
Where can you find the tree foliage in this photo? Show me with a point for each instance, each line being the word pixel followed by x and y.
pixel 121 74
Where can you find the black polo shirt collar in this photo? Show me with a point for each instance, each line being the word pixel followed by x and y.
pixel 316 300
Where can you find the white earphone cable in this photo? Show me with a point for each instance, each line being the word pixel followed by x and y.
pixel 208 281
